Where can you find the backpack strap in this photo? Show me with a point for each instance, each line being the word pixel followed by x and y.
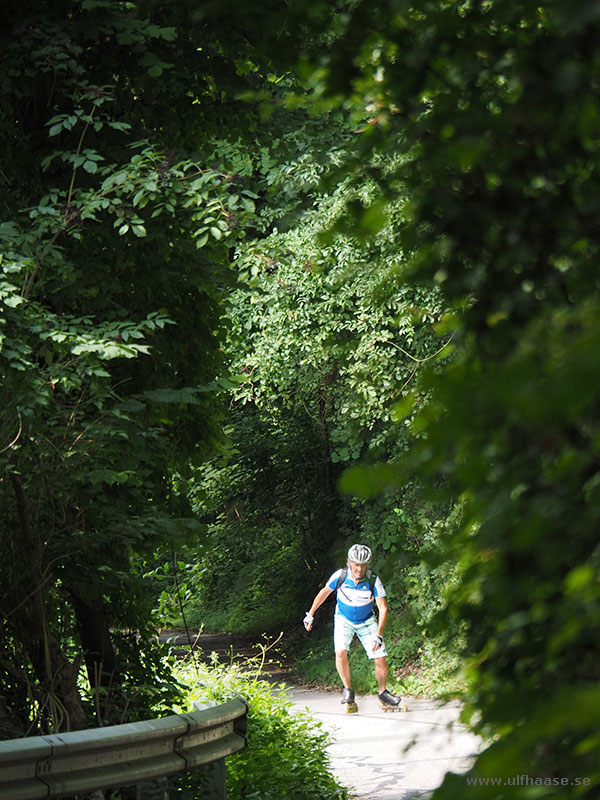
pixel 372 578
pixel 342 578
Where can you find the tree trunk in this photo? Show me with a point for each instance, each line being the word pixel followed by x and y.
pixel 56 675
pixel 95 638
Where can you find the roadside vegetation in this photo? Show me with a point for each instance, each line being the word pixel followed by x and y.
pixel 286 751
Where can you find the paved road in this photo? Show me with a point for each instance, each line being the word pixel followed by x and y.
pixel 391 756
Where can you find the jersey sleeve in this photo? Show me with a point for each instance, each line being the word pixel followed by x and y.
pixel 378 590
pixel 332 582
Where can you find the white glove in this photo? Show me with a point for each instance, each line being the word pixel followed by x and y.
pixel 377 642
pixel 308 621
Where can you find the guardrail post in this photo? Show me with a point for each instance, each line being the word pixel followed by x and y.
pixel 216 788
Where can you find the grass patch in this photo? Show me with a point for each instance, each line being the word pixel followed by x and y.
pixel 420 668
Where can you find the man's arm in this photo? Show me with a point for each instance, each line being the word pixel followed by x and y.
pixel 381 617
pixel 318 601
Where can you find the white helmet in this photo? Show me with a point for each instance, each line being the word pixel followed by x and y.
pixel 359 553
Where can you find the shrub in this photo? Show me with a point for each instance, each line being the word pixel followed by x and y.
pixel 286 753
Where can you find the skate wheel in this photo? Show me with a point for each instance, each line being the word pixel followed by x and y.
pixel 351 708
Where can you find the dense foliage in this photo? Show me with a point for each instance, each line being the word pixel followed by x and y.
pixel 496 107
pixel 442 332
pixel 116 223
pixel 323 349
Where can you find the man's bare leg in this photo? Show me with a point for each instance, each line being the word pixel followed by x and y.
pixel 343 667
pixel 381 672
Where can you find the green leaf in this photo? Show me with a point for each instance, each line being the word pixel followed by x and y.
pixel 12 300
pixel 366 482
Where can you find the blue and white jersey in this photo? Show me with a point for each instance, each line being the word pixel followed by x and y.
pixel 355 601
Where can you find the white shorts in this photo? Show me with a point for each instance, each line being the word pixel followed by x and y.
pixel 344 630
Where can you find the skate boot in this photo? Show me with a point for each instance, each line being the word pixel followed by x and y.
pixel 349 701
pixel 390 702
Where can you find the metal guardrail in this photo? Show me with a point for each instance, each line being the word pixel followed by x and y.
pixel 63 764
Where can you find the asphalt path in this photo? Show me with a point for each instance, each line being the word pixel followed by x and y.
pixel 391 755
